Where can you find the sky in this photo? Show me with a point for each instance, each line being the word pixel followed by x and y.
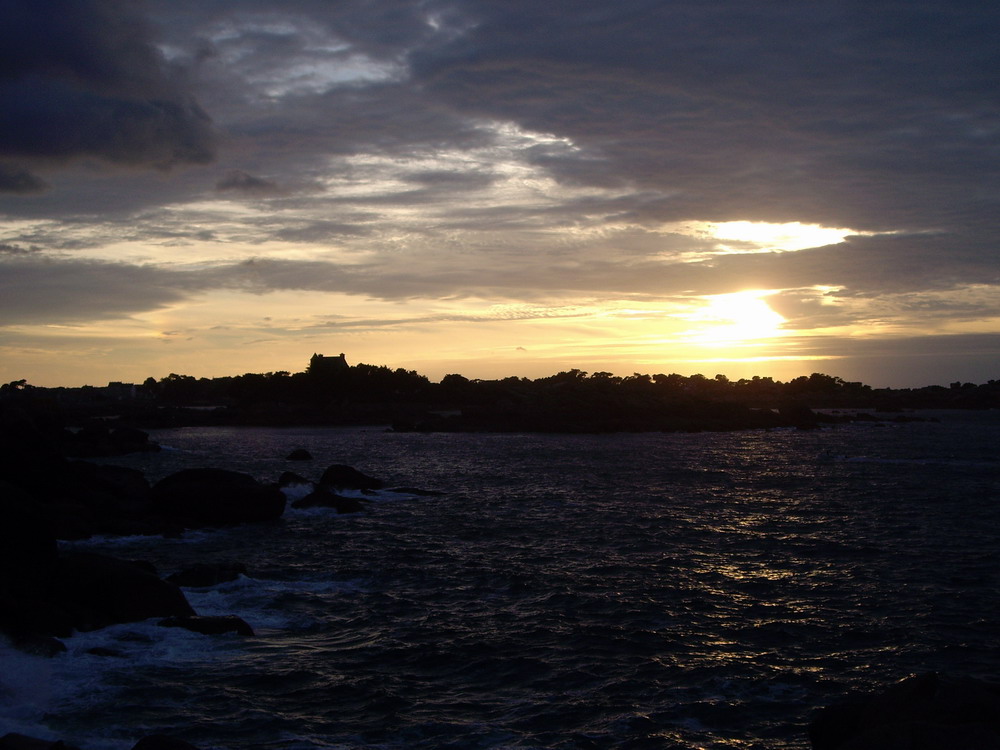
pixel 497 189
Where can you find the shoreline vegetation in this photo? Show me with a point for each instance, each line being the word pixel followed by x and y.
pixel 48 494
pixel 330 393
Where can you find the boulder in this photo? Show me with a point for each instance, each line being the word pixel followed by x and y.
pixel 321 498
pixel 35 614
pixel 28 548
pixel 922 712
pixel 209 625
pixel 98 590
pixel 299 454
pixel 97 439
pixel 38 645
pixel 799 416
pixel 25 448
pixel 216 497
pixel 203 575
pixel 132 440
pixel 343 477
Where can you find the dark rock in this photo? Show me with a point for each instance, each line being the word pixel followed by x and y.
pixel 299 454
pixel 23 618
pixel 799 416
pixel 98 590
pixel 131 439
pixel 922 712
pixel 162 742
pixel 28 548
pixel 321 498
pixel 343 477
pixel 96 439
pixel 101 651
pixel 202 575
pixel 25 448
pixel 38 645
pixel 216 497
pixel 209 625
pixel 123 483
pixel 15 741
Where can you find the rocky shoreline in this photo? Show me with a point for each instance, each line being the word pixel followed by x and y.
pixel 47 593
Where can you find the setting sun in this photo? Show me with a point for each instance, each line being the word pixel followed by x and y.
pixel 735 318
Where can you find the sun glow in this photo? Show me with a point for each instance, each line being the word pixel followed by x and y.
pixel 729 319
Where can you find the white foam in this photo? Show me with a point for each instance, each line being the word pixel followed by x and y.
pixel 257 600
pixel 297 491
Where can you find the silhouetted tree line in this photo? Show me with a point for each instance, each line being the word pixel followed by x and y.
pixel 573 400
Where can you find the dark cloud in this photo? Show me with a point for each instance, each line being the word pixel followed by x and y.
pixel 242 182
pixel 321 231
pixel 450 179
pixel 8 249
pixel 879 115
pixel 17 180
pixel 83 78
pixel 45 291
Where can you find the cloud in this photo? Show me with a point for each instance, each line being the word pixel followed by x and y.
pixel 16 180
pixel 7 249
pixel 84 78
pixel 850 115
pixel 243 182
pixel 43 291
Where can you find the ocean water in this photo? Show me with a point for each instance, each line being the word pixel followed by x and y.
pixel 705 590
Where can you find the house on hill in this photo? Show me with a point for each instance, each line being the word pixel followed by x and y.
pixel 320 365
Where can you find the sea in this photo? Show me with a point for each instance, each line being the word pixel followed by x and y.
pixel 648 590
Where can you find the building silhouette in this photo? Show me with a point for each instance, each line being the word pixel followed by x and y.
pixel 320 365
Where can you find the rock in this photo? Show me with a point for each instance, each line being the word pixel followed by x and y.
pixel 28 548
pixel 162 742
pixel 15 741
pixel 38 645
pixel 799 416
pixel 23 619
pixel 125 484
pixel 209 625
pixel 96 439
pixel 299 454
pixel 102 651
pixel 216 497
pixel 321 498
pixel 131 440
pixel 203 575
pixel 98 590
pixel 25 448
pixel 343 477
pixel 922 712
